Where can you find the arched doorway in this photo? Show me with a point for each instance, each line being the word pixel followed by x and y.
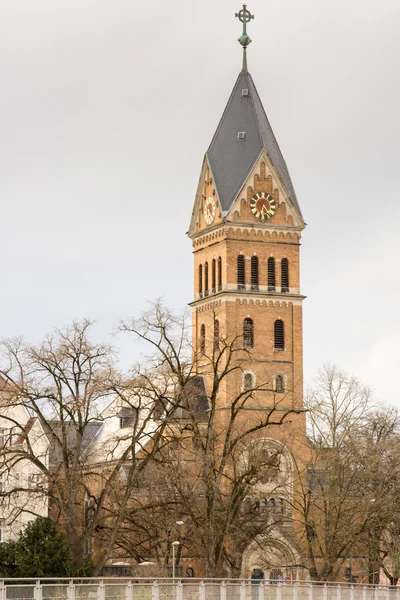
pixel 273 557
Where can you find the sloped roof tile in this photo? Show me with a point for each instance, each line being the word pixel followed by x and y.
pixel 231 159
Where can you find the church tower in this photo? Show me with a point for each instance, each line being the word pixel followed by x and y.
pixel 246 228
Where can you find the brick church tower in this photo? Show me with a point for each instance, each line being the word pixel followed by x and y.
pixel 246 228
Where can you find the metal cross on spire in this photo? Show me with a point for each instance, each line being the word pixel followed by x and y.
pixel 244 17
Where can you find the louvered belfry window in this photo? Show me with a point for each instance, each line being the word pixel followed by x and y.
pixel 216 335
pixel 240 272
pixel 271 274
pixel 200 279
pixel 203 339
pixel 219 273
pixel 248 333
pixel 285 275
pixel 206 279
pixel 254 272
pixel 279 335
pixel 213 274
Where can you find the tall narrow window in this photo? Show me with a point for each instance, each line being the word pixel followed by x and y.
pixel 285 275
pixel 216 335
pixel 254 272
pixel 271 274
pixel 203 339
pixel 201 280
pixel 213 274
pixel 219 273
pixel 248 333
pixel 279 384
pixel 206 279
pixel 240 272
pixel 247 381
pixel 279 335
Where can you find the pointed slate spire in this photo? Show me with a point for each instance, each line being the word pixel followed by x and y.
pixel 230 158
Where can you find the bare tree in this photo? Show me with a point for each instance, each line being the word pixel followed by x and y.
pixel 345 497
pixel 215 457
pixel 65 384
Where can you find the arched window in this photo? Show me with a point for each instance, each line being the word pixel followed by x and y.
pixel 240 272
pixel 248 382
pixel 201 280
pixel 285 275
pixel 213 274
pixel 271 274
pixel 220 274
pixel 206 279
pixel 248 333
pixel 279 384
pixel 254 272
pixel 203 339
pixel 216 335
pixel 279 335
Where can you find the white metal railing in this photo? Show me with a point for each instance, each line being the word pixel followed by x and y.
pixel 124 588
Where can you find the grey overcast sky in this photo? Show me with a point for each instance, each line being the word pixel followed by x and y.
pixel 106 110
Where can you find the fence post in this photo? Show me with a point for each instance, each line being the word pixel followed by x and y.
pixel 261 590
pixel 222 590
pixel 338 592
pixel 179 591
pixel 155 591
pixel 364 593
pixel 295 590
pixel 37 592
pixel 129 591
pixel 279 591
pixel 71 590
pixel 351 592
pixel 243 590
pixel 3 591
pixel 101 591
pixel 202 591
pixel 310 591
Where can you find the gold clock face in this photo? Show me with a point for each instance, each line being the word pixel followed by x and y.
pixel 262 206
pixel 210 208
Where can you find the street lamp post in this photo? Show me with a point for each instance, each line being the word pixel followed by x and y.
pixel 174 545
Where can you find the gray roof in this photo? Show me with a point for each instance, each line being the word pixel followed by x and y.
pixel 70 443
pixel 231 159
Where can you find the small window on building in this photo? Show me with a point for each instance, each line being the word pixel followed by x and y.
pixel 203 339
pixel 271 274
pixel 34 480
pixel 206 279
pixel 248 333
pixel 219 273
pixel 285 275
pixel 2 530
pixel 279 384
pixel 279 335
pixel 216 335
pixel 241 273
pixel 201 280
pixel 214 274
pixel 254 272
pixel 159 409
pixel 3 436
pixel 127 417
pixel 248 381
